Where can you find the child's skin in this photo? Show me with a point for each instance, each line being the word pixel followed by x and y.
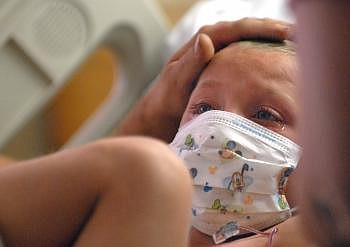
pixel 110 193
pixel 257 83
pixel 159 112
pixel 240 79
pixel 116 192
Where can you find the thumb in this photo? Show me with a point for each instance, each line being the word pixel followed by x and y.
pixel 191 64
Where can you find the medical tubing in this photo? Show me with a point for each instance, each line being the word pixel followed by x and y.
pixel 269 235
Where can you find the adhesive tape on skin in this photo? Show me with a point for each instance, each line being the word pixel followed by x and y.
pixel 225 232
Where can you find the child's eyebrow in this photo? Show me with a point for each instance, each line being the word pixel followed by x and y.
pixel 279 87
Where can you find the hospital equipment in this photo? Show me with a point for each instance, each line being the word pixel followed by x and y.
pixel 42 42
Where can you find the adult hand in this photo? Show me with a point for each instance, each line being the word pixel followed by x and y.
pixel 159 112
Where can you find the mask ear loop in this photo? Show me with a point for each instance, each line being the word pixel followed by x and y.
pixel 269 235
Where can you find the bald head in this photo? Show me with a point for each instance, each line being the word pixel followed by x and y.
pixel 286 47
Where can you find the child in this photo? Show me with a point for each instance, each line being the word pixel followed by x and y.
pixel 126 191
pixel 257 81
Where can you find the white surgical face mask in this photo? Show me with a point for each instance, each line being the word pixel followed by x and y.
pixel 239 172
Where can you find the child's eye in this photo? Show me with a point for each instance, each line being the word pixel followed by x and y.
pixel 201 108
pixel 268 115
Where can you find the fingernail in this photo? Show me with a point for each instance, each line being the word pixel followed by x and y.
pixel 196 45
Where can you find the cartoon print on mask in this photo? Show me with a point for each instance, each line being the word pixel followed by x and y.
pixel 217 205
pixel 236 209
pixel 189 144
pixel 194 212
pixel 248 200
pixel 212 169
pixel 238 179
pixel 248 180
pixel 193 172
pixel 227 150
pixel 282 182
pixel 282 202
pixel 207 188
pixel 239 153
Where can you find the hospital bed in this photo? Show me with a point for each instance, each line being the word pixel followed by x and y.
pixel 42 42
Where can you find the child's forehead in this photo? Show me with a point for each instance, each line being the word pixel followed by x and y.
pixel 251 58
pixel 258 70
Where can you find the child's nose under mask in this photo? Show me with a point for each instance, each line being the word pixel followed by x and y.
pixel 239 170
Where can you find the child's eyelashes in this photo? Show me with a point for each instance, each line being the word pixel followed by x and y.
pixel 263 115
pixel 268 117
pixel 201 108
pixel 267 114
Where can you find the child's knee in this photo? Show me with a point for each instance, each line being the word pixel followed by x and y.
pixel 147 190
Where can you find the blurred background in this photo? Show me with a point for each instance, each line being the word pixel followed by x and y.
pixel 79 99
pixel 107 82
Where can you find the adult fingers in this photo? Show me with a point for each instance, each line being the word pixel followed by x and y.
pixel 190 65
pixel 225 33
pixel 178 78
